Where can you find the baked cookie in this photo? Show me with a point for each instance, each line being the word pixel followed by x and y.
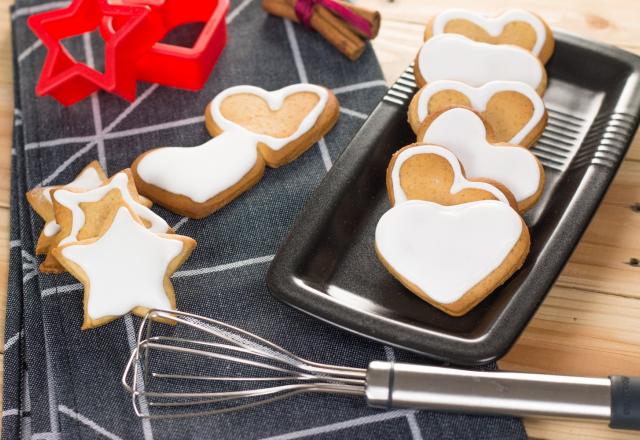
pixel 515 112
pixel 283 123
pixel 198 181
pixel 452 256
pixel 433 173
pixel 252 128
pixel 454 57
pixel 126 267
pixel 82 214
pixel 469 138
pixel 90 177
pixel 514 26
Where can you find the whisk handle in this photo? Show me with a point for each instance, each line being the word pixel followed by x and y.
pixel 398 385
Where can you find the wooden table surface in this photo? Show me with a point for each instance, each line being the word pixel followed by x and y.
pixel 590 322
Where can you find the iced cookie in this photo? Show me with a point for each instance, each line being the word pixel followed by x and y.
pixel 468 137
pixel 198 181
pixel 252 128
pixel 82 214
pixel 125 268
pixel 452 256
pixel 433 173
pixel 283 123
pixel 515 112
pixel 515 26
pixel 457 58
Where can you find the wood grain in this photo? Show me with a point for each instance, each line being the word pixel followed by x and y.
pixel 588 324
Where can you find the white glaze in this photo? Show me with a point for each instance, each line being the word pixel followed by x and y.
pixel 87 179
pixel 125 267
pixel 72 200
pixel 454 57
pixel 275 100
pixel 479 97
pixel 463 132
pixel 447 250
pixel 201 172
pixel 459 181
pixel 51 228
pixel 493 25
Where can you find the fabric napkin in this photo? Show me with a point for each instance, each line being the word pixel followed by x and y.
pixel 61 382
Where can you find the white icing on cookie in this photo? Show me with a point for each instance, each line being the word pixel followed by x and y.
pixel 87 179
pixel 454 57
pixel 479 98
pixel 125 267
pixel 51 228
pixel 459 181
pixel 447 250
pixel 275 100
pixel 463 133
pixel 493 25
pixel 201 172
pixel 72 200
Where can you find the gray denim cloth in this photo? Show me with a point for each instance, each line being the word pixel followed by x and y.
pixel 60 381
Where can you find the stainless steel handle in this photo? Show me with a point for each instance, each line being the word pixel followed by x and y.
pixel 487 392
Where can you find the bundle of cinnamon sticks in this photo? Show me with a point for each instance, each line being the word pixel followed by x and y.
pixel 347 38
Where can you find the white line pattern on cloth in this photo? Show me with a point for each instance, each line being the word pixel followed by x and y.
pixel 366 420
pixel 29 50
pixel 360 86
pixel 12 340
pixel 28 10
pixel 88 422
pixel 348 111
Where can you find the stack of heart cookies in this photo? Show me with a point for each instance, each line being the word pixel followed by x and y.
pixel 454 232
pixel 105 234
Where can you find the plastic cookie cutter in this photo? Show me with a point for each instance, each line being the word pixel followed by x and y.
pixel 68 80
pixel 173 65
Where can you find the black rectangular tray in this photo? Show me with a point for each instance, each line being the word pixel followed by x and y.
pixel 327 266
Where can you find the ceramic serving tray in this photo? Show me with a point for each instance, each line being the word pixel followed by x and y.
pixel 327 266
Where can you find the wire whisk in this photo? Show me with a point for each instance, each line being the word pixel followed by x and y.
pixel 201 366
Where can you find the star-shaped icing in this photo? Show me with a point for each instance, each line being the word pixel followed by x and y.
pixel 90 177
pixel 127 268
pixel 68 80
pixel 82 214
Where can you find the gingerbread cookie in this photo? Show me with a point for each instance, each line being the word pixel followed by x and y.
pixel 452 256
pixel 515 26
pixel 81 214
pixel 515 112
pixel 198 181
pixel 469 138
pixel 283 123
pixel 433 173
pixel 252 128
pixel 125 268
pixel 90 177
pixel 454 57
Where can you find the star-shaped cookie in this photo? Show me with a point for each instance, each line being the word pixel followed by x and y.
pixel 126 268
pixel 82 214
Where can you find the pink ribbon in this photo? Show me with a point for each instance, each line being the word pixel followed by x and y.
pixel 304 11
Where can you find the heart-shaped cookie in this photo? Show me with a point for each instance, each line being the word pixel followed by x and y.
pixel 432 173
pixel 515 26
pixel 199 180
pixel 452 256
pixel 454 57
pixel 283 123
pixel 464 133
pixel 515 112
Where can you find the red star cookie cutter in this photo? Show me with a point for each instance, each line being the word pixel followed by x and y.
pixel 178 66
pixel 68 80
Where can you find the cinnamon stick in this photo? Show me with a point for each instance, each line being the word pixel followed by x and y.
pixel 334 30
pixel 373 17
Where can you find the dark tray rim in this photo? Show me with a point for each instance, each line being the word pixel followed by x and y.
pixel 515 315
